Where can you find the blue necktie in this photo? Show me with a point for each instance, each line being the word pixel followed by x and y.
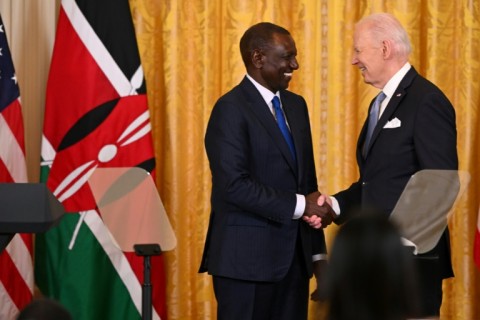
pixel 372 120
pixel 282 124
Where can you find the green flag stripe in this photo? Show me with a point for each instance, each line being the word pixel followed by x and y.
pixel 58 271
pixel 102 294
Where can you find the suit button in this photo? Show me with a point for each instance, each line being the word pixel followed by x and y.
pixel 364 183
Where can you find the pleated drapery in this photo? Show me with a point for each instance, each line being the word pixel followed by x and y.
pixel 190 53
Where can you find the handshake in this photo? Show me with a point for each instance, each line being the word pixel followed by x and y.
pixel 318 210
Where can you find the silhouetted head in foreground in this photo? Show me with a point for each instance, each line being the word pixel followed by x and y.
pixel 44 309
pixel 370 275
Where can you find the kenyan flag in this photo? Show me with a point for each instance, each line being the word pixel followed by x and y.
pixel 96 116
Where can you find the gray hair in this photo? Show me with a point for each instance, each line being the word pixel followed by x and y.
pixel 384 26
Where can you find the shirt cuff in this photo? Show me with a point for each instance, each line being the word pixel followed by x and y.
pixel 300 207
pixel 335 205
pixel 318 257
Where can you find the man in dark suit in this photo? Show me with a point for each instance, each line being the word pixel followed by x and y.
pixel 258 249
pixel 416 130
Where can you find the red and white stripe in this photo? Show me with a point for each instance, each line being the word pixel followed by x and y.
pixel 16 266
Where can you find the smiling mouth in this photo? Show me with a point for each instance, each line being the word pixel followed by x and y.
pixel 288 75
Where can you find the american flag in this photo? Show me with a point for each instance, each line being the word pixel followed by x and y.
pixel 16 266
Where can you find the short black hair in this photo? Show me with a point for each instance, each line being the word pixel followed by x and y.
pixel 258 36
pixel 371 274
pixel 44 309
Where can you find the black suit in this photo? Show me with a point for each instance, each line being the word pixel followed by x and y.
pixel 426 139
pixel 252 235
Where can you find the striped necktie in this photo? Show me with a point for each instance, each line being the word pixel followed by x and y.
pixel 282 124
pixel 372 120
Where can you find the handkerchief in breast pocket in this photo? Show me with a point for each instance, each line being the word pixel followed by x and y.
pixel 392 124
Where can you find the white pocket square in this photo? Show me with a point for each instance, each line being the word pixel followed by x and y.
pixel 394 123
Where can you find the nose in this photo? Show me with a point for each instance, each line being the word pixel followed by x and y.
pixel 294 63
pixel 354 60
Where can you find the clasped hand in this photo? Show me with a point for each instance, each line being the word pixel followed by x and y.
pixel 318 210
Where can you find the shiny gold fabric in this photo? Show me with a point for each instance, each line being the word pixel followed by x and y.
pixel 190 56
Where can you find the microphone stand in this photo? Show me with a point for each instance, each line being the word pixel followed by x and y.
pixel 146 251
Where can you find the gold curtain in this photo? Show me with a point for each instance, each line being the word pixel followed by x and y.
pixel 190 54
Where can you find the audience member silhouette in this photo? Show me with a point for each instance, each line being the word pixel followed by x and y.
pixel 370 274
pixel 44 309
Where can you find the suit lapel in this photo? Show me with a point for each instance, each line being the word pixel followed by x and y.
pixel 393 104
pixel 261 110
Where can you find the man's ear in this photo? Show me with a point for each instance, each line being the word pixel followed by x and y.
pixel 257 58
pixel 387 49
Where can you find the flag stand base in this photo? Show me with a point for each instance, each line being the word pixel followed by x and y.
pixel 146 251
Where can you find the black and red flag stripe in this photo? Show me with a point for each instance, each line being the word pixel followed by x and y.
pixel 96 116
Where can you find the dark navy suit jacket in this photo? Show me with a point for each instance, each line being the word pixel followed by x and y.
pixel 251 234
pixel 426 139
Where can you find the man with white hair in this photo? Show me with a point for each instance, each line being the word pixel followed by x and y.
pixel 410 127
